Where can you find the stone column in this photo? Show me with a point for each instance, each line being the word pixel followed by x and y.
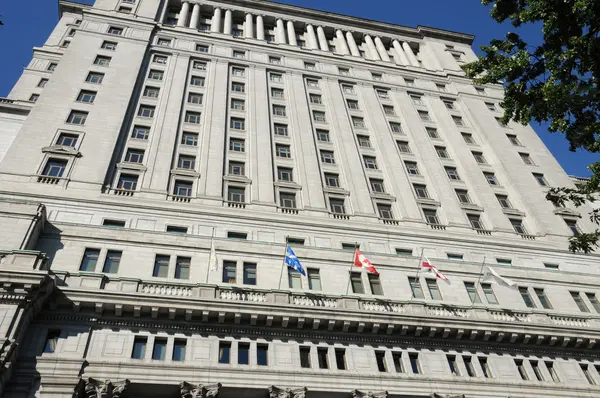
pixel 409 53
pixel 216 21
pixel 322 39
pixel 260 27
pixel 352 44
pixel 249 28
pixel 372 49
pixel 398 47
pixel 280 32
pixel 227 24
pixel 183 14
pixel 342 45
pixel 291 33
pixel 195 16
pixel 311 38
pixel 383 54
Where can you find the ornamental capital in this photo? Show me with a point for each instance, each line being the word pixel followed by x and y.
pixel 436 395
pixel 189 390
pixel 369 394
pixel 275 392
pixel 104 388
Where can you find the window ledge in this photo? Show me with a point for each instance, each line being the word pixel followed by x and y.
pixel 337 191
pixel 131 166
pixel 471 207
pixel 383 196
pixel 61 150
pixel 567 213
pixel 185 172
pixel 288 184
pixel 513 212
pixel 429 202
pixel 240 179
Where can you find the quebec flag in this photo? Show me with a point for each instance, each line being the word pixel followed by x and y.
pixel 292 261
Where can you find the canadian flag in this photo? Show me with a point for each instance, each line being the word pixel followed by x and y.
pixel 428 265
pixel 362 262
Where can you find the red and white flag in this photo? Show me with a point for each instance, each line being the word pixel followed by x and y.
pixel 428 265
pixel 362 262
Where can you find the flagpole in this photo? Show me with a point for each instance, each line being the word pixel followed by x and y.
pixel 479 279
pixel 351 265
pixel 283 264
pixel 412 295
pixel 212 238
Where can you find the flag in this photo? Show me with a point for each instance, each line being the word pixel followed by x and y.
pixel 292 261
pixel 493 277
pixel 362 262
pixel 212 259
pixel 428 265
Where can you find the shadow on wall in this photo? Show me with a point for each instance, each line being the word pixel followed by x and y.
pixel 50 242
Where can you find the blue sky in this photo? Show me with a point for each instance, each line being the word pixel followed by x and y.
pixel 17 39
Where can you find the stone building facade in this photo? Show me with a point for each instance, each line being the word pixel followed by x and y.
pixel 143 133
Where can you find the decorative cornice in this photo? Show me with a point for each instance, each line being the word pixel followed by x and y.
pixel 92 388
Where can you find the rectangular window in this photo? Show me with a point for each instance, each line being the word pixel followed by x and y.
pixel 383 94
pixel 526 297
pixel 197 81
pixel 160 349
pixel 452 365
pixel 112 261
pixel 276 77
pixel 90 260
pixel 322 356
pixel 159 59
pixel 237 145
pixel 179 350
pixel 182 267
pixel 375 284
pixel 397 359
pixel 127 182
pixel 54 168
pixel 262 354
pixel 364 141
pixel 238 87
pixel 113 30
pixel 332 180
pixel 237 168
pixel 552 371
pixel 192 117
pixel 472 292
pixel 536 370
pixel 102 60
pixel 485 367
pixel 204 49
pixel 396 127
pixel 479 158
pixel 183 188
pixel 243 353
pixel 431 216
pixel 238 105
pixel 151 92
pixel 337 206
pixel 432 133
pixel 403 146
pixel 469 366
pixel 194 98
pixel 65 139
pixel 424 115
pixel 277 93
pixel 458 121
pixel 370 162
pixel 319 117
pixel 285 174
pixel 421 191
pixel 377 76
pixel 521 369
pixel 468 138
pixel 238 72
pixel 312 83
pixel 86 96
pixel 409 82
pixel 96 78
pixel 287 200
pixel 176 229
pixel 579 301
pixel 283 151
pixel 340 358
pixel 416 99
pixel 442 152
pixel 281 129
pixel 42 83
pixel 34 97
pixel 236 194
pixel 380 358
pixel 275 60
pixel 161 266
pixel 356 282
pixel 541 295
pixel 358 122
pixel 147 111
pixel 518 226
pixel 586 372
pixel 229 272
pixel 237 235
pixel 434 290
pixel 327 157
pixel 315 99
pixel 452 173
pixel 249 274
pixel 51 341
pixel 139 347
pixel 504 202
pixel 389 110
pixel 323 135
pixel 414 363
pixel 526 159
pixel 404 252
pixel 489 293
pixel 540 179
pixel 113 223
pixel 109 45
pixel 279 110
pixel 491 178
pixel 224 351
pixel 134 156
pixel 237 124
pixel 344 71
pixel 294 279
pixel 305 357
pixel 377 186
pixel 352 104
pixel 475 221
pixel 186 162
pixel 572 224
pixel 155 74
pixel 594 300
pixel 415 287
pixel 411 168
pixel 77 117
pixel 314 279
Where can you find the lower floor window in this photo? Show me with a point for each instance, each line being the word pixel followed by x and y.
pixel 55 168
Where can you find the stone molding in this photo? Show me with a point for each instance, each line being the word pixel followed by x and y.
pixel 189 390
pixel 93 388
pixel 369 394
pixel 276 392
pixel 436 395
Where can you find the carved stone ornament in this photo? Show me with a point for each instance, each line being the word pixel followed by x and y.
pixel 436 395
pixel 189 390
pixel 104 389
pixel 275 392
pixel 369 394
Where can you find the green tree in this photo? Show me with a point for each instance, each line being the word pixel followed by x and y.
pixel 555 81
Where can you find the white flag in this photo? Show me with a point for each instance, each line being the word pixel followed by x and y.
pixel 212 261
pixel 493 277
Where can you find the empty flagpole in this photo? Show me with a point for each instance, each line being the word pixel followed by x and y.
pixel 351 265
pixel 283 265
pixel 412 294
pixel 212 239
pixel 479 279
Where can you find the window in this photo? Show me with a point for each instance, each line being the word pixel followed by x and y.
pixel 236 194
pixel 287 200
pixel 504 261
pixel 377 185
pixel 281 129
pixel 237 145
pixel 485 367
pixel 323 135
pixel 403 146
pixel 337 206
pixel 356 282
pixel 521 369
pixel 275 60
pixel 513 139
pixel 283 151
pixel 504 202
pixel 552 371
pixel 90 260
pixel 197 81
pixel 322 356
pixel 294 279
pixel 276 77
pixel 54 168
pixel 452 365
pixel 42 83
pixel 452 173
pixel 396 127
pixel 139 347
pixel 305 357
pixel 469 365
pixel 238 72
pixel 458 120
pixel 340 358
pixel 347 89
pixel 109 45
pixel 389 110
pixel 431 216
pixel 315 99
pixel 442 152
pixel 262 354
pixel 319 116
pixel 475 221
pixel 397 359
pixel 237 104
pixel 579 301
pixel 146 111
pixel 363 141
pixel 358 122
pixel 536 370
pixel 332 180
pixel 134 156
pixel 284 174
pixel 190 139
pixel 278 110
pixel 238 87
pixel 224 351
pixel 472 292
pixel 540 179
pixel 151 92
pixel 111 262
pixel 541 295
pixel 52 67
pixel 468 138
pixel 249 270
pixel 411 168
pixel 352 104
pixel 586 372
pixel 551 266
pixel 489 293
pixel 526 297
pixel 65 44
pixel 113 223
pixel 479 157
pixel 380 358
pixel 112 30
pixel 237 168
pixel 518 226
pixel 424 115
pixel 383 94
pixel 314 279
pixel 160 349
pixel 491 178
pixel 344 71
pixel 237 235
pixel 179 350
pixel 161 266
pixel 160 59
pixel 127 182
pixel 182 188
pixel 192 117
pixel 195 98
pixel 594 300
pixel 432 133
pixel 34 97
pixel 177 230
pixel 66 139
pixel 526 159
pixel 375 284
pixel 414 362
pixel 310 65
pixel 370 162
pixel 433 288
pixel 102 60
pixel 449 105
pixel 409 82
pixel 377 76
pixel 237 123
pixel 501 122
pixel 312 83
pixel 404 252
pixel 415 287
pixel 77 117
pixel 229 271
pixel 155 75
pixel 182 267
pixel 277 93
pixel 327 157
pixel 385 211
pixel 421 191
pixel 204 49
pixel 455 256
